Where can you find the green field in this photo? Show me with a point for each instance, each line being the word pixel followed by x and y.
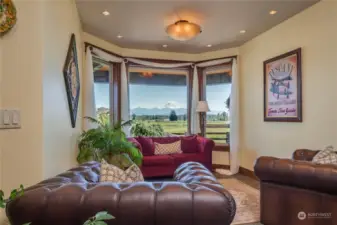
pixel 180 127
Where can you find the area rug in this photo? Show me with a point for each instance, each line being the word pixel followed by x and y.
pixel 247 201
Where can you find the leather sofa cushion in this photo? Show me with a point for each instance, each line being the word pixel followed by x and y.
pixel 157 160
pixel 189 157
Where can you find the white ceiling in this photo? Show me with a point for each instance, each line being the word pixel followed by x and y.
pixel 142 23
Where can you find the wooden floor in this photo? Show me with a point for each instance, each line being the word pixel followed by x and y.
pixel 247 180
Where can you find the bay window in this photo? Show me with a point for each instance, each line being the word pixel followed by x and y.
pixel 160 97
pixel 103 90
pixel 217 88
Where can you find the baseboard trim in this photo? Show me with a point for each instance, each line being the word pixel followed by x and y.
pixel 243 171
pixel 248 173
pixel 220 166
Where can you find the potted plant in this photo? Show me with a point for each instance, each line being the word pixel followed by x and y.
pixel 108 142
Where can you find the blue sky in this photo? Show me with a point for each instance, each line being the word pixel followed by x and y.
pixel 160 96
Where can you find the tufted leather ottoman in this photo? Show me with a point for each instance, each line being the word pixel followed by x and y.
pixel 194 198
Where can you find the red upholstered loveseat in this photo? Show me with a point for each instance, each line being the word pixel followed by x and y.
pixel 195 148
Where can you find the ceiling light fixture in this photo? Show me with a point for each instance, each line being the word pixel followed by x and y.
pixel 242 31
pixel 119 36
pixel 105 13
pixel 146 74
pixel 165 46
pixel 272 12
pixel 209 46
pixel 183 30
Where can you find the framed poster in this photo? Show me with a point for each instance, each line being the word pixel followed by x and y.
pixel 283 88
pixel 72 79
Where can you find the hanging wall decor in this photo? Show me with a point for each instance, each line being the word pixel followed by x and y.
pixel 283 88
pixel 7 16
pixel 72 80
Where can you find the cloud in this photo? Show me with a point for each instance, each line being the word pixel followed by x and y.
pixel 171 105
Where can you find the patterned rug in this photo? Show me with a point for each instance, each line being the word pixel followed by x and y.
pixel 247 201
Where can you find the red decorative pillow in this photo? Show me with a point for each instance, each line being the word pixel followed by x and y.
pixel 147 145
pixel 189 144
pixel 165 140
pixel 135 143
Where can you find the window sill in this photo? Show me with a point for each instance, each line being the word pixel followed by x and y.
pixel 221 148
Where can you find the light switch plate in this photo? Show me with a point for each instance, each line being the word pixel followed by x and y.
pixel 10 119
pixel 6 117
pixel 15 117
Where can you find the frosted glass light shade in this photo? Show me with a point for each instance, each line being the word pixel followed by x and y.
pixel 183 30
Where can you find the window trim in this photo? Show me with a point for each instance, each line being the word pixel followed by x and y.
pixel 111 86
pixel 183 71
pixel 226 68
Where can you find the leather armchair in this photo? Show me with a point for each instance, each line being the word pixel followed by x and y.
pixel 290 186
pixel 194 197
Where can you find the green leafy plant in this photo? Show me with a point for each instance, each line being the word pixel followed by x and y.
pixel 107 142
pixel 99 218
pixel 141 128
pixel 14 194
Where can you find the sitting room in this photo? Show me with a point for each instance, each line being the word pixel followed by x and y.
pixel 168 112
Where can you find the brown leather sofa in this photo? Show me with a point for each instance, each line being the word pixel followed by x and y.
pixel 193 198
pixel 289 187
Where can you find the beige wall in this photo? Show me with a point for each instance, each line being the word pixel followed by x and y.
pixel 31 80
pixel 1 68
pixel 59 138
pixel 221 158
pixel 315 31
pixel 21 88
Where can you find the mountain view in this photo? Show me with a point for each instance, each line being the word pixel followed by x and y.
pixel 139 111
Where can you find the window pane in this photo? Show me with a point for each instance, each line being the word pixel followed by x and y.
pixel 218 87
pixel 102 91
pixel 159 99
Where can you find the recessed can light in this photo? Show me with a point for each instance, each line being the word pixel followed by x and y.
pixel 119 36
pixel 105 13
pixel 165 46
pixel 209 46
pixel 242 31
pixel 272 12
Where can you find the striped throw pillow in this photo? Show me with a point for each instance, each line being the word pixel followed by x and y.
pixel 165 149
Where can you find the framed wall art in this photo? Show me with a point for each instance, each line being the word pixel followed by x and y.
pixel 283 88
pixel 7 16
pixel 72 79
